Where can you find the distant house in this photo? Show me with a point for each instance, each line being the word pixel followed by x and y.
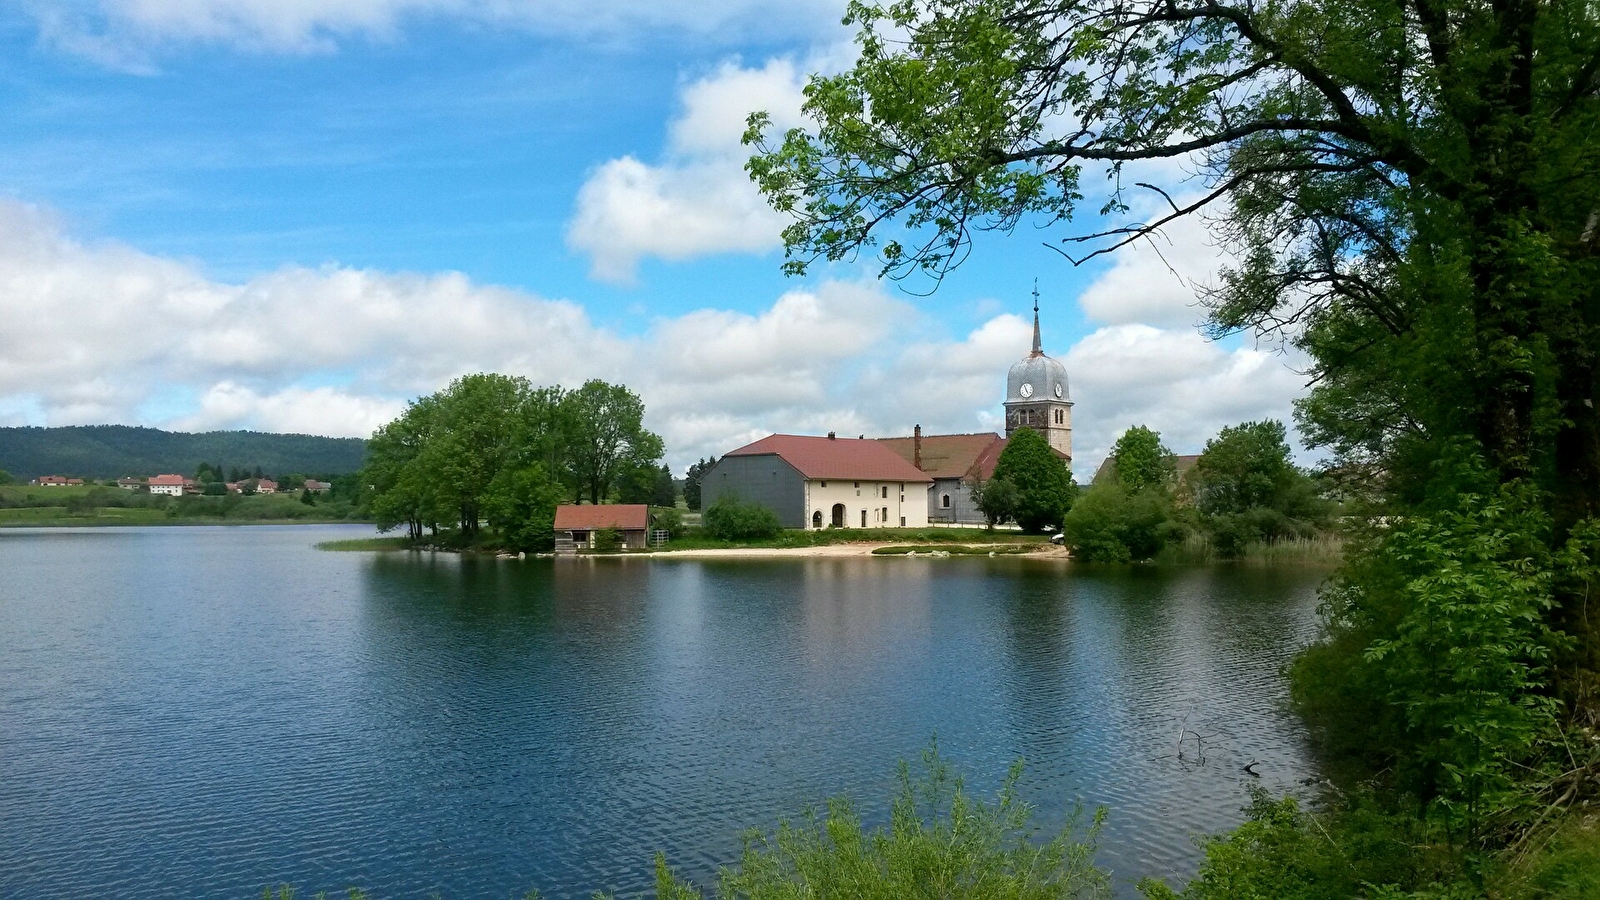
pixel 171 485
pixel 823 482
pixel 130 483
pixel 260 486
pixel 576 525
pixel 317 487
pixel 58 481
pixel 1108 468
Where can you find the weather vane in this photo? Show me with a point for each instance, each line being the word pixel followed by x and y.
pixel 1036 295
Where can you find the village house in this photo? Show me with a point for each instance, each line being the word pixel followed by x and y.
pixel 813 482
pixel 576 526
pixel 316 487
pixel 57 481
pixel 129 483
pixel 822 482
pixel 170 485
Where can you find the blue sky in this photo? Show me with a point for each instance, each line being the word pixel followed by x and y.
pixel 520 185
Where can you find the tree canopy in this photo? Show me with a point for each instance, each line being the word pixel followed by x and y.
pixel 1043 485
pixel 494 448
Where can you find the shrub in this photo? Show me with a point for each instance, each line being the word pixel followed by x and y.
pixel 1110 525
pixel 732 520
pixel 670 520
pixel 940 842
pixel 607 540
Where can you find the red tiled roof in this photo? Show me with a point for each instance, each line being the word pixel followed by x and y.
pixel 846 459
pixel 948 455
pixel 623 516
pixel 174 480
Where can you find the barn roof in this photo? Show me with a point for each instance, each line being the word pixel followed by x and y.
pixel 845 459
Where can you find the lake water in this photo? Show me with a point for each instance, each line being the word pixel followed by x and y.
pixel 207 711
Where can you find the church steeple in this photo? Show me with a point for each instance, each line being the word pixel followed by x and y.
pixel 1038 346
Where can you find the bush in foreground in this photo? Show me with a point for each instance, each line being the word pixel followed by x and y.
pixel 733 520
pixel 940 842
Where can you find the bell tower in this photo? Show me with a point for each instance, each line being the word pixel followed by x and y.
pixel 1037 396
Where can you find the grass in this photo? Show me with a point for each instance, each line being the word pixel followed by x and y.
pixel 958 549
pixel 904 536
pixel 1322 551
pixel 367 544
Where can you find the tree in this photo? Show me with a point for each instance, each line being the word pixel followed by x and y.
pixel 1143 462
pixel 998 500
pixel 666 488
pixel 5 477
pixel 691 481
pixel 608 436
pixel 1043 485
pixel 1109 524
pixel 1412 190
pixel 1247 488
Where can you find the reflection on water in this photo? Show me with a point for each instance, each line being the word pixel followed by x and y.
pixel 206 711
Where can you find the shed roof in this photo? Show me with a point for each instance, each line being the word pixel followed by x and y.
pixel 845 459
pixel 621 516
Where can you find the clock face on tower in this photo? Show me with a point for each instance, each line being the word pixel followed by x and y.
pixel 1026 390
pixel 1058 392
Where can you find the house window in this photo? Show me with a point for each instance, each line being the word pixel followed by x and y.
pixel 902 521
pixel 863 518
pixel 816 519
pixel 944 501
pixel 886 492
pixel 858 484
pixel 824 484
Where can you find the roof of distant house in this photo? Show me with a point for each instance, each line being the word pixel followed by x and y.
pixel 845 459
pixel 951 455
pixel 1108 468
pixel 622 516
pixel 168 480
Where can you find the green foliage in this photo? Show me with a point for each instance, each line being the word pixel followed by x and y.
pixel 941 843
pixel 1108 524
pixel 670 520
pixel 607 540
pixel 5 477
pixel 1044 489
pixel 730 519
pixel 691 482
pixel 1286 852
pixel 1143 462
pixel 998 499
pixel 607 438
pixel 494 448
pixel 111 451
pixel 1247 489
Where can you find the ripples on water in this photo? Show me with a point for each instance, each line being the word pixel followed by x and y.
pixel 208 711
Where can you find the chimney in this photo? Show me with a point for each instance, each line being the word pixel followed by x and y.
pixel 916 446
pixel 832 436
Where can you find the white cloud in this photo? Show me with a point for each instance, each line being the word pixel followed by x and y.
pixel 1174 381
pixel 124 32
pixel 105 333
pixel 698 201
pixel 1156 280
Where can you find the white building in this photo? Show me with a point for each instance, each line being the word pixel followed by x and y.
pixel 171 485
pixel 822 482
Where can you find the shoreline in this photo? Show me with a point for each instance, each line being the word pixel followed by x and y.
pixel 837 551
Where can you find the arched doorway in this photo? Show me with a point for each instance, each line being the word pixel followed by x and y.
pixel 816 519
pixel 838 515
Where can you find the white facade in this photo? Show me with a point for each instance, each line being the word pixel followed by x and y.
pixel 866 504
pixel 172 490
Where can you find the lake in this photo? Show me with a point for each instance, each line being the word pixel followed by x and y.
pixel 207 711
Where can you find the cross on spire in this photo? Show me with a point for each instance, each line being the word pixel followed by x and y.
pixel 1038 349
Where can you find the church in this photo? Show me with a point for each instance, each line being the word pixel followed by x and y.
pixel 898 482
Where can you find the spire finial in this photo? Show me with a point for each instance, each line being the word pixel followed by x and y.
pixel 1038 349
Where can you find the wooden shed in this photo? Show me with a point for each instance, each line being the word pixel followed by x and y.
pixel 576 525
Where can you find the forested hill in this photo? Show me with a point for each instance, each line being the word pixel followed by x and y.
pixel 112 451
